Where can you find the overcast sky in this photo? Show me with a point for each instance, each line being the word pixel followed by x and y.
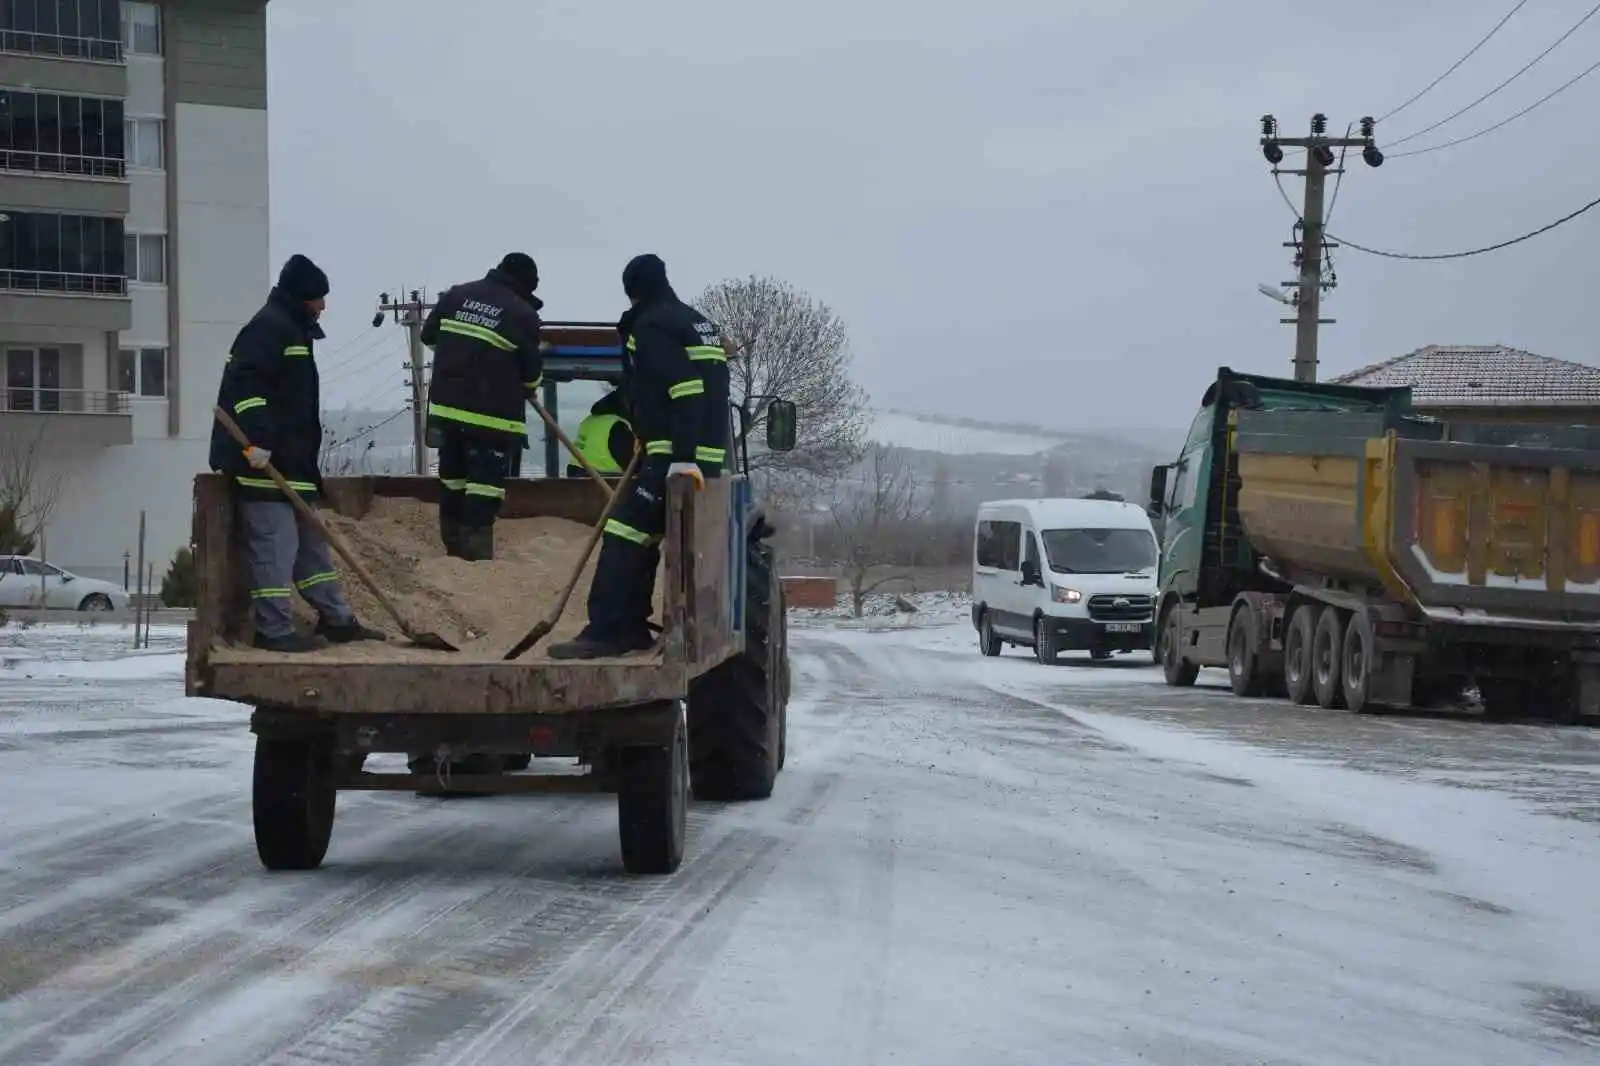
pixel 1024 209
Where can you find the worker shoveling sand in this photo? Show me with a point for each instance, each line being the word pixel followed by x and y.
pixel 483 607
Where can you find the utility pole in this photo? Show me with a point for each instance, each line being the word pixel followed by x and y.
pixel 1320 162
pixel 410 314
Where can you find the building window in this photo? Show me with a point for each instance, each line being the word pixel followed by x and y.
pixel 141 29
pixel 69 254
pixel 70 29
pixel 144 144
pixel 33 379
pixel 145 257
pixel 142 371
pixel 47 133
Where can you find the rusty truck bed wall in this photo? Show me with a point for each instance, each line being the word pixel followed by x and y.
pixel 1510 528
pixel 699 627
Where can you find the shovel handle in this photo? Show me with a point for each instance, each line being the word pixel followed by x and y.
pixel 318 524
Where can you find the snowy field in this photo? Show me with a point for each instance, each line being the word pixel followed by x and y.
pixel 967 861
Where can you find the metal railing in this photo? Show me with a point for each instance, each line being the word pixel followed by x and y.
pixel 21 399
pixel 63 164
pixel 61 46
pixel 62 283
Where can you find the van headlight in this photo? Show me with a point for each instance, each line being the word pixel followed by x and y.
pixel 1062 594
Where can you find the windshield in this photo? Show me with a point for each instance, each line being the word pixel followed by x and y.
pixel 1099 551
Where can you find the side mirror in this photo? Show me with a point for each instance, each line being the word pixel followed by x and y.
pixel 1031 574
pixel 67 577
pixel 1158 486
pixel 781 426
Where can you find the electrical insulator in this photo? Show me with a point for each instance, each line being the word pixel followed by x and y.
pixel 1319 124
pixel 1367 125
pixel 1269 126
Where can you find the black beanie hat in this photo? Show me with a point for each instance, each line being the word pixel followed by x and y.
pixel 644 276
pixel 520 268
pixel 303 279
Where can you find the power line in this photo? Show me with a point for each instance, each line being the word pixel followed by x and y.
pixel 367 431
pixel 1452 69
pixel 1563 220
pixel 1557 91
pixel 1529 66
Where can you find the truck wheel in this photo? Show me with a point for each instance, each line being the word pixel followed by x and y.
pixel 1044 643
pixel 292 797
pixel 1297 655
pixel 1179 672
pixel 988 641
pixel 735 729
pixel 1356 673
pixel 1327 646
pixel 1244 669
pixel 653 804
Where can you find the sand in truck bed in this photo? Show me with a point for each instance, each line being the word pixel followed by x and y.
pixel 482 608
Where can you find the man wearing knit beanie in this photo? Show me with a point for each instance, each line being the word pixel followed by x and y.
pixel 270 387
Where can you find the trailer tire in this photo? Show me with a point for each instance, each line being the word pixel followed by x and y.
pixel 1179 672
pixel 735 709
pixel 653 803
pixel 1356 674
pixel 1297 641
pixel 1244 665
pixel 1327 662
pixel 292 801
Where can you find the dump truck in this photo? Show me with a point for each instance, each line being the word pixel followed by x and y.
pixel 1327 544
pixel 703 714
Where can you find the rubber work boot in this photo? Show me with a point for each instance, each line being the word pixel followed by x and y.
pixel 592 645
pixel 477 543
pixel 290 643
pixel 348 632
pixel 450 534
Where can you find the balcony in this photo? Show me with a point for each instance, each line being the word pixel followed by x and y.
pixel 92 417
pixel 63 300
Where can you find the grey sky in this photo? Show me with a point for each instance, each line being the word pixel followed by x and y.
pixel 1025 209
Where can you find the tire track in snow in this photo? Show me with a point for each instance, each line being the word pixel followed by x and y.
pixel 202 955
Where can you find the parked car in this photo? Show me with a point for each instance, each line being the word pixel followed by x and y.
pixel 31 584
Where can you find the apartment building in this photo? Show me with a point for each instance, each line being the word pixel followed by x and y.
pixel 133 245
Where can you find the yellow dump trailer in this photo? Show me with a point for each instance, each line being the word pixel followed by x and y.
pixel 1338 549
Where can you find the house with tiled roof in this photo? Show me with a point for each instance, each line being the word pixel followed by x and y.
pixel 1489 382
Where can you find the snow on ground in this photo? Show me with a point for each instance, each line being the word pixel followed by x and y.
pixel 880 611
pixel 966 860
pixel 925 434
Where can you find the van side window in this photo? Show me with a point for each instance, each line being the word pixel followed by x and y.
pixel 999 543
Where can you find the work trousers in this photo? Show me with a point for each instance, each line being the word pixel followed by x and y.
pixel 472 476
pixel 286 553
pixel 630 551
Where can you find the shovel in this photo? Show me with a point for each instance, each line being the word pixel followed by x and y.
pixel 572 450
pixel 432 641
pixel 542 628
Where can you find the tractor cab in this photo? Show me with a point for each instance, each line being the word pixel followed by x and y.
pixel 582 362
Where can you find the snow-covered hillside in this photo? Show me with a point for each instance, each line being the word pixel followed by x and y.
pixel 930 434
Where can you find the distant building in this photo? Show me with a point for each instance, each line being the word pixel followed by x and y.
pixel 1489 383
pixel 133 245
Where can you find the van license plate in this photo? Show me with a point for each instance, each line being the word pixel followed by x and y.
pixel 1124 627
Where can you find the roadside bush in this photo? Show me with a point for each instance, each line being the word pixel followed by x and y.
pixel 181 585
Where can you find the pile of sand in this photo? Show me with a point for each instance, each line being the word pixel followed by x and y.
pixel 483 608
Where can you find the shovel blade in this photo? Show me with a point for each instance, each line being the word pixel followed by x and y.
pixel 535 635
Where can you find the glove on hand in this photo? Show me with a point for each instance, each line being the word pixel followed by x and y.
pixel 257 457
pixel 691 470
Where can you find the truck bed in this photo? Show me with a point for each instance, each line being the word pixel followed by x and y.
pixel 695 597
pixel 1499 527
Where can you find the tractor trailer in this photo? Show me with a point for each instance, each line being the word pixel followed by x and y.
pixel 1329 545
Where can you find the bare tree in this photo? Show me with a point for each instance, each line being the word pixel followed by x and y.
pixel 785 344
pixel 873 519
pixel 28 492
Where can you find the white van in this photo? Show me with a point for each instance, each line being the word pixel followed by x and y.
pixel 1064 575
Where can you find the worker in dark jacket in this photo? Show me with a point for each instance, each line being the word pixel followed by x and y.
pixel 666 394
pixel 605 438
pixel 486 363
pixel 270 387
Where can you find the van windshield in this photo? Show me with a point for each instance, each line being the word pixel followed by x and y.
pixel 1099 551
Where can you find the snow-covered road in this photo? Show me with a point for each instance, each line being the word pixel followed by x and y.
pixel 967 861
